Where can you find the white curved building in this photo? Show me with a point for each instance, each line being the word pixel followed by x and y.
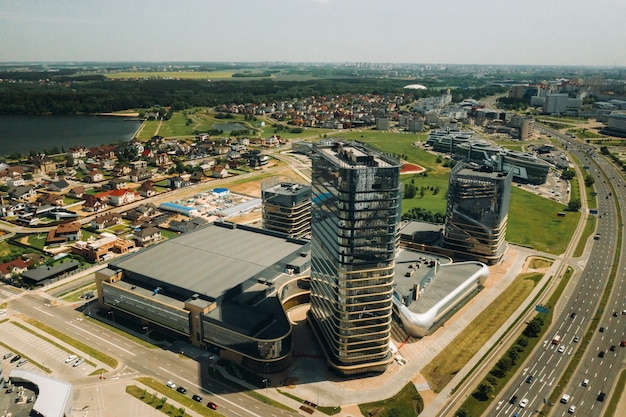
pixel 430 291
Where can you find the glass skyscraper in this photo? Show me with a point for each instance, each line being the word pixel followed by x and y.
pixel 355 214
pixel 477 212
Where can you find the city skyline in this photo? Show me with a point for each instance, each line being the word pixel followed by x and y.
pixel 557 32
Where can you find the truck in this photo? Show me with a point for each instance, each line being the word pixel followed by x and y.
pixel 556 340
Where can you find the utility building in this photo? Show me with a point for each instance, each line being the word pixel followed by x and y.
pixel 355 215
pixel 287 208
pixel 477 212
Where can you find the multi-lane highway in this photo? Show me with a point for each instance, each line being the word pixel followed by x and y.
pixel 580 317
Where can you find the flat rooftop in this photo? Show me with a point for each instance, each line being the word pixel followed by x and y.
pixel 214 258
pixel 449 276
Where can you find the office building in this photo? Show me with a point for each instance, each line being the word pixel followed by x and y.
pixel 355 216
pixel 477 213
pixel 287 208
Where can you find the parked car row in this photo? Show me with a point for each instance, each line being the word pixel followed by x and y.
pixel 195 397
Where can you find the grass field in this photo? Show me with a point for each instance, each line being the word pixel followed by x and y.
pixel 455 355
pixel 407 402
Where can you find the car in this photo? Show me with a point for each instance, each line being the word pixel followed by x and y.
pixel 572 409
pixel 612 348
pixel 7 355
pixel 21 362
pixel 615 314
pixel 196 397
pixel 576 339
pixel 602 329
pixel 16 358
pixel 530 379
pixel 3 311
pixel 573 315
pixel 212 405
pixel 523 403
pixel 78 362
pixel 182 390
pixel 171 384
pixel 70 358
pixel 623 312
pixel 585 382
pixel 561 349
pixel 601 354
pixel 513 399
pixel 601 396
pixel 622 343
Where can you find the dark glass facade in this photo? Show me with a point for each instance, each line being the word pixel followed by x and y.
pixel 477 213
pixel 355 215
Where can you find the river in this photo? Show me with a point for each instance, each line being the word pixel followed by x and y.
pixel 23 134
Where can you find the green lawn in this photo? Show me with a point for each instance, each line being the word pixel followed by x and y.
pixel 533 222
pixel 406 403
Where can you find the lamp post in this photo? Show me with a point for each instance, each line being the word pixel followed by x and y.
pixel 112 314
pixel 265 380
pixel 147 329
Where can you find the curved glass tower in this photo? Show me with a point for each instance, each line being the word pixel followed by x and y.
pixel 354 222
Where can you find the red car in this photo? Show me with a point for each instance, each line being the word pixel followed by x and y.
pixel 212 405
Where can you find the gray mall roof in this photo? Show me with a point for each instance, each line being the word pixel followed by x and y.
pixel 214 258
pixel 55 397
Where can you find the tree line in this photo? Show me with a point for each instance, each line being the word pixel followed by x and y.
pixel 96 94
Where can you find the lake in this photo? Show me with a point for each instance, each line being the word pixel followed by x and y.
pixel 23 134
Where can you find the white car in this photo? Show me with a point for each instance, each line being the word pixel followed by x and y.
pixel 171 384
pixel 70 358
pixel 2 311
pixel 561 349
pixel 78 362
pixel 572 409
pixel 523 403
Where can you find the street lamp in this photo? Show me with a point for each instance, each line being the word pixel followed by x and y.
pixel 265 381
pixel 147 331
pixel 112 314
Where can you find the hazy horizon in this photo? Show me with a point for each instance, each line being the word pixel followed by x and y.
pixel 448 32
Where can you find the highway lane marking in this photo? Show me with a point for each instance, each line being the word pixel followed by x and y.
pixel 44 312
pixel 100 338
pixel 210 392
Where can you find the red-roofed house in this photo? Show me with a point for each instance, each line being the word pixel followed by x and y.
pixel 16 266
pixel 121 197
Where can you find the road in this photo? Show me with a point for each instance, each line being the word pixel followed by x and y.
pixel 575 318
pixel 134 359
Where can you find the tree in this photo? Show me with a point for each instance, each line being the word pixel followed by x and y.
pixel 574 204
pixel 533 328
pixel 589 180
pixel 485 390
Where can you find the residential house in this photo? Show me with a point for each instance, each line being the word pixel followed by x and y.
pixel 41 164
pixel 142 213
pixel 178 182
pixel 22 193
pixel 161 159
pixel 76 192
pixel 121 170
pixel 14 267
pixel 106 220
pixel 138 164
pixel 95 176
pixel 197 176
pixel 94 204
pixel 121 197
pixel 101 248
pixel 140 174
pixel 16 182
pixel 57 186
pixel 65 232
pixel 80 152
pixel 147 189
pixel 117 183
pixel 50 199
pixel 187 226
pixel 219 171
pixel 147 236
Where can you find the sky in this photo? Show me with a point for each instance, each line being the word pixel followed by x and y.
pixel 498 32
